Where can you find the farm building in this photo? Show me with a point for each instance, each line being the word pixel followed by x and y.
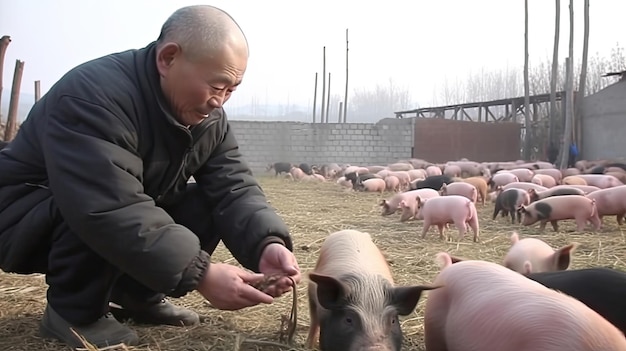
pixel 604 122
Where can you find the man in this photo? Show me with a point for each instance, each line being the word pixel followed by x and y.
pixel 94 189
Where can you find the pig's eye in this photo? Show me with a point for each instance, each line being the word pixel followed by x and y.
pixel 393 320
pixel 348 320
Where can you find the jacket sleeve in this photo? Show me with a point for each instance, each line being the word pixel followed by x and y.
pixel 241 216
pixel 95 176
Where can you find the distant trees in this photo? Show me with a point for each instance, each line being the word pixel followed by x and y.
pixel 370 105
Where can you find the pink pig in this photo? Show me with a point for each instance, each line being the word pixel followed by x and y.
pixel 373 185
pixel 442 210
pixel 460 188
pixel 532 255
pixel 502 179
pixel 485 306
pixel 610 201
pixel 602 181
pixel 392 204
pixel 556 208
pixel 409 204
pixel 392 183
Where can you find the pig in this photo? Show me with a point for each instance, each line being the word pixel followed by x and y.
pixel 525 186
pixel 403 176
pixel 485 306
pixel 574 180
pixel 481 186
pixel 602 181
pixel 601 289
pixel 585 188
pixel 306 168
pixel 452 171
pixel 297 173
pixel 502 179
pixel 509 201
pixel 523 174
pixel 610 202
pixel 344 182
pixel 556 208
pixel 353 301
pixel 620 175
pixel 399 166
pixel 433 171
pixel 433 182
pixel 448 209
pixel 357 178
pixel 391 205
pixel 464 189
pixel 539 195
pixel 416 174
pixel 372 185
pixel 543 180
pixel 570 172
pixel 376 169
pixel 408 205
pixel 552 172
pixel 532 255
pixel 392 183
pixel 279 168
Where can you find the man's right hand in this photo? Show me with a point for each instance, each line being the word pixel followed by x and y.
pixel 227 287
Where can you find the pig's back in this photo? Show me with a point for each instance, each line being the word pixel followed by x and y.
pixel 349 251
pixel 494 308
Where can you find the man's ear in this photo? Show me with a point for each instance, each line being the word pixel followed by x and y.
pixel 166 55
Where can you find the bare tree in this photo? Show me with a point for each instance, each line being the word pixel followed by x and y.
pixel 569 85
pixel 370 105
pixel 554 73
pixel 583 75
pixel 527 126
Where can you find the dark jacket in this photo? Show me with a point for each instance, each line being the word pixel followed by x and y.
pixel 102 147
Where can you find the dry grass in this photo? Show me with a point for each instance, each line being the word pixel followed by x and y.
pixel 312 211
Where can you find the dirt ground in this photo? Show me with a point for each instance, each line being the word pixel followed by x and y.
pixel 312 211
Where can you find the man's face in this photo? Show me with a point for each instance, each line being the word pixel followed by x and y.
pixel 194 88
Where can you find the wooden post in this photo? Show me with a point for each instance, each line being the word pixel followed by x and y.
pixel 328 99
pixel 4 44
pixel 323 85
pixel 37 90
pixel 340 111
pixel 345 97
pixel 315 97
pixel 11 127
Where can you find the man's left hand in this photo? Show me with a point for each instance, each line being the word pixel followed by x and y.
pixel 276 258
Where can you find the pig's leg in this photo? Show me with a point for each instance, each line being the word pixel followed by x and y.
pixel 462 227
pixel 441 228
pixel 475 227
pixel 619 218
pixel 555 225
pixel 425 227
pixel 581 223
pixel 513 212
pixel 542 225
pixel 314 327
pixel 596 221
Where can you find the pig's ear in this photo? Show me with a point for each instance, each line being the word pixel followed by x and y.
pixel 382 202
pixel 531 191
pixel 330 291
pixel 522 209
pixel 405 298
pixel 563 256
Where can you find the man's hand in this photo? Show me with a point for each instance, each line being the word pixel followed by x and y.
pixel 227 287
pixel 276 258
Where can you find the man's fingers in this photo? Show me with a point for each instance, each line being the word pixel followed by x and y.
pixel 252 278
pixel 254 296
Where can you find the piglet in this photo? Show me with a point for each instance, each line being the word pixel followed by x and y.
pixel 408 204
pixel 485 306
pixel 460 188
pixel 448 209
pixel 509 201
pixel 610 202
pixel 532 255
pixel 555 208
pixel 372 185
pixel 353 302
pixel 560 191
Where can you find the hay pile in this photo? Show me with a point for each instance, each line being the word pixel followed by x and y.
pixel 312 211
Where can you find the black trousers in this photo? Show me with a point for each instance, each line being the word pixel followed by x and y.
pixel 81 283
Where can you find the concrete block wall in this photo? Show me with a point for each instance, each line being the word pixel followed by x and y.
pixel 381 143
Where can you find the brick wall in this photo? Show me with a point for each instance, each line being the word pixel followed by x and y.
pixel 381 143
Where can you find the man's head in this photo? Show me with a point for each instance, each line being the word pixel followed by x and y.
pixel 202 55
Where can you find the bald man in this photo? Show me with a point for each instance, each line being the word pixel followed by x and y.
pixel 94 189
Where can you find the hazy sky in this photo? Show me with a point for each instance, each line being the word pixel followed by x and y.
pixel 416 43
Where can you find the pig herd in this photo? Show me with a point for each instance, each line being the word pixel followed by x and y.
pixel 529 301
